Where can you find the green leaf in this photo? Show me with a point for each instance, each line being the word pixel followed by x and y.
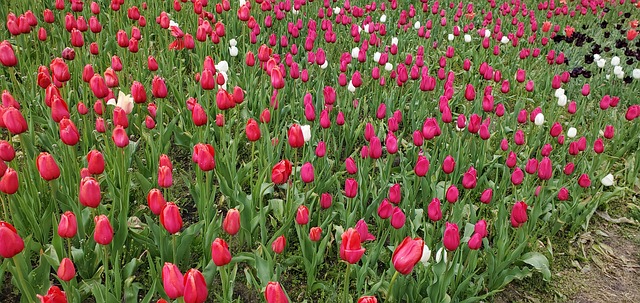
pixel 539 262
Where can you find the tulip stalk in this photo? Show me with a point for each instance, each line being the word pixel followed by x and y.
pixel 105 265
pixel 345 292
pixel 393 279
pixel 226 283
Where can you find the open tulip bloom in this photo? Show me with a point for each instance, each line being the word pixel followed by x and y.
pixel 366 151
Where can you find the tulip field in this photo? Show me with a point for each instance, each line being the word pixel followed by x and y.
pixel 307 150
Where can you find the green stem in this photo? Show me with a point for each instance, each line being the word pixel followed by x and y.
pixel 175 249
pixel 69 248
pixel 393 279
pixel 4 210
pixel 105 264
pixel 345 293
pixel 224 277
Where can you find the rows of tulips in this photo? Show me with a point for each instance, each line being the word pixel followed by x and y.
pixel 332 151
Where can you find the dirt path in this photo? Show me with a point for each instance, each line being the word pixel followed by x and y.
pixel 598 266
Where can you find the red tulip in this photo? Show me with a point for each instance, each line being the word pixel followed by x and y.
pixel 315 234
pixel 165 177
pixel 265 116
pixel 486 196
pixel 158 87
pixel 452 194
pixel 519 214
pixel 448 165
pixel 434 211
pixel 545 169
pixel 170 218
pixel 172 281
pixel 95 162
pixel 281 172
pixel 12 244
pixel 204 156
pixel 295 137
pixel 156 201
pixel 278 244
pixel 375 148
pixel 103 233
pixel 475 242
pixel 469 93
pixel 47 166
pixel 66 270
pixel 584 181
pixel 152 64
pixel 350 188
pixel 252 130
pixel 609 131
pixel 60 70
pixel 54 295
pixel 231 223
pixel 451 238
pixel 68 226
pixel 422 166
pixel 351 166
pixel 469 179
pixel 563 194
pixel 385 210
pixel 307 172
pixel 220 252
pixel 302 215
pixel 481 228
pixel 367 299
pixel 89 193
pixel 138 92
pixel 598 146
pixel 407 254
pixel 275 294
pixel 517 176
pixel 14 121
pixel 350 247
pixel 119 137
pixel 325 200
pixel 7 55
pixel 363 230
pixel 395 194
pixel 7 153
pixel 398 218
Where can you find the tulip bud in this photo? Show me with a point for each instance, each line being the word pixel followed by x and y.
pixel 170 218
pixel 451 238
pixel 103 233
pixel 395 194
pixel 407 254
pixel 307 172
pixel 66 270
pixel 47 167
pixel 351 188
pixel 68 226
pixel 363 230
pixel 302 215
pixel 89 193
pixel 220 252
pixel 195 287
pixel 274 293
pixel 12 244
pixel 486 196
pixel 231 223
pixel 398 218
pixel 278 245
pixel 519 214
pixel 172 281
pixel 315 234
pixel 452 194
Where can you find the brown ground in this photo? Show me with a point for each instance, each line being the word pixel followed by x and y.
pixel 600 265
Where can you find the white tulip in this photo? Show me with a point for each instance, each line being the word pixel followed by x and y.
pixel 559 92
pixel 388 67
pixel 504 40
pixel 233 51
pixel 539 119
pixel 222 66
pixel 601 63
pixel 440 254
pixel 351 88
pixel 636 73
pixel 325 64
pixel 620 75
pixel 416 25
pixel 233 42
pixel 306 132
pixel 336 10
pixel 394 40
pixel 450 37
pixel 383 18
pixel 124 101
pixel 243 2
pixel 354 52
pixel 562 100
pixel 376 57
pixel 607 180
pixel 596 57
pixel 426 255
pixel 487 33
pixel 365 27
pixel 467 38
pixel 572 132
pixel 615 61
pixel 617 70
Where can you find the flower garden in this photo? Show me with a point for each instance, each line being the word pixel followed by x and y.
pixel 307 150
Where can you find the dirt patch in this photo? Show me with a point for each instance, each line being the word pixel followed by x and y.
pixel 600 265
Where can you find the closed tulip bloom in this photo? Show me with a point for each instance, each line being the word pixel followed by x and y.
pixel 170 218
pixel 375 148
pixel 532 166
pixel 545 169
pixel 9 181
pixel 598 146
pixel 452 194
pixel 363 229
pixel 367 299
pixel 395 194
pixel 584 181
pixel 152 64
pixel 156 201
pixel 278 244
pixel 451 238
pixel 351 249
pixel 165 177
pixel 89 193
pixel 66 270
pixel 281 172
pixel 7 55
pixel 609 131
pixel 158 87
pixel 204 156
pixel 220 252
pixel 407 254
pixel 231 223
pixel 12 244
pixel 60 70
pixel 274 293
pixel 448 165
pixel 198 115
pixel 434 211
pixel 315 234
pixel 519 137
pixel 207 80
pixel 295 136
pixel 47 167
pixel 95 162
pixel 307 172
pixel 252 130
pixel 475 242
pixel 7 153
pixel 68 226
pixel 486 196
pixel 568 169
pixel 195 287
pixel 14 121
pixel 302 215
pixel 103 234
pixel 517 176
pixel 519 214
pixel 556 129
pixel 422 166
pixel 119 137
pixel 138 93
pixel 350 165
pixel 350 188
pixel 512 160
pixel 172 280
pixel 469 179
pixel 391 142
pixel 385 209
pixel 563 194
pixel 325 200
pixel 398 218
